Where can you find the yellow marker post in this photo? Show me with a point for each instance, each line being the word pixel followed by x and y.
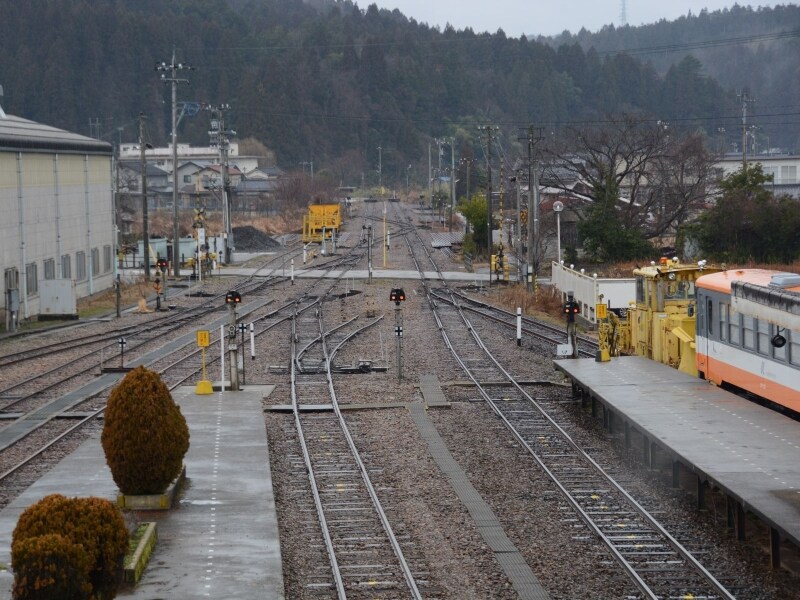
pixel 203 386
pixel 604 332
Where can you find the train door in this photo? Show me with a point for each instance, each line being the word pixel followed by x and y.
pixel 705 330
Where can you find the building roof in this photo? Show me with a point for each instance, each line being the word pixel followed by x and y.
pixel 256 186
pixel 136 167
pixel 22 135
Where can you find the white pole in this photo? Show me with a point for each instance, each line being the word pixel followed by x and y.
pixel 558 234
pixel 222 357
pixel 519 326
pixel 252 342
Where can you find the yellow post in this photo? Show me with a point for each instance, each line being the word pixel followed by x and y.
pixel 604 333
pixel 203 386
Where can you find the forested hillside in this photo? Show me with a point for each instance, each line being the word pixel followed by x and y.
pixel 330 83
pixel 741 47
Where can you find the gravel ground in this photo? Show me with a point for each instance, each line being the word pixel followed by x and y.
pixel 422 506
pixel 569 562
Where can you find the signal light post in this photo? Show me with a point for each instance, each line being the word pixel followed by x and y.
pixel 397 295
pixel 232 299
pixel 163 266
pixel 572 308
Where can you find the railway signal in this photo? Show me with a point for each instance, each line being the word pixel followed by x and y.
pixel 571 308
pixel 157 288
pixel 232 299
pixel 397 295
pixel 122 342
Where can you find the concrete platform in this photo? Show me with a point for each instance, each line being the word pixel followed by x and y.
pixel 221 540
pixel 750 452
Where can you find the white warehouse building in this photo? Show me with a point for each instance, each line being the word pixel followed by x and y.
pixel 57 231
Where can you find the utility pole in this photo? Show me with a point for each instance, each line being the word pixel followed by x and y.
pixel 518 230
pixel 219 137
pixel 489 131
pixel 534 136
pixel 173 69
pixel 452 181
pixel 746 99
pixel 145 233
pixel 430 179
pixel 380 171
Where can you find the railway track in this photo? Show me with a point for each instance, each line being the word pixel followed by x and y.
pixel 657 565
pixel 364 553
pixel 56 422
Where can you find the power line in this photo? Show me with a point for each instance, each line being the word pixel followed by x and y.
pixel 667 48
pixel 472 121
pixel 492 37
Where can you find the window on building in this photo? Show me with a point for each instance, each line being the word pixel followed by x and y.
pixel 80 266
pixel 32 279
pixel 50 268
pixel 749 332
pixel 774 171
pixel 106 258
pixel 788 174
pixel 95 261
pixel 11 279
pixel 187 179
pixel 66 266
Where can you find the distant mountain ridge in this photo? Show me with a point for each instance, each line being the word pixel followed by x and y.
pixel 740 47
pixel 331 82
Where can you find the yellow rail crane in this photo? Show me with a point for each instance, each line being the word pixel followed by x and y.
pixel 660 324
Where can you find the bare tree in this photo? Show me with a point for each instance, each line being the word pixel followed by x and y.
pixel 641 178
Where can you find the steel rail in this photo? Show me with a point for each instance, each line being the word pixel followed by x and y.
pixel 409 577
pixel 641 511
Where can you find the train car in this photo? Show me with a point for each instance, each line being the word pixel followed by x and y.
pixel 748 333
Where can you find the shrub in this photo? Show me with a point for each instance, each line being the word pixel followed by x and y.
pixel 50 566
pixel 145 436
pixel 91 527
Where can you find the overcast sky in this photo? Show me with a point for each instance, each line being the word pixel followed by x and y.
pixel 539 17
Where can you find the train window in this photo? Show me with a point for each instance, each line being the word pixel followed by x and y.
pixel 733 329
pixel 724 310
pixel 794 347
pixel 748 331
pixel 640 290
pixel 763 328
pixel 778 353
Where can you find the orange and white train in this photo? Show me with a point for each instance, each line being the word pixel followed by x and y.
pixel 748 333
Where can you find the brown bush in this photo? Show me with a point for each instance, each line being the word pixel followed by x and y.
pixel 145 436
pixel 68 547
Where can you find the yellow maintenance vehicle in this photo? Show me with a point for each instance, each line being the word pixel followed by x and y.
pixel 322 222
pixel 660 324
